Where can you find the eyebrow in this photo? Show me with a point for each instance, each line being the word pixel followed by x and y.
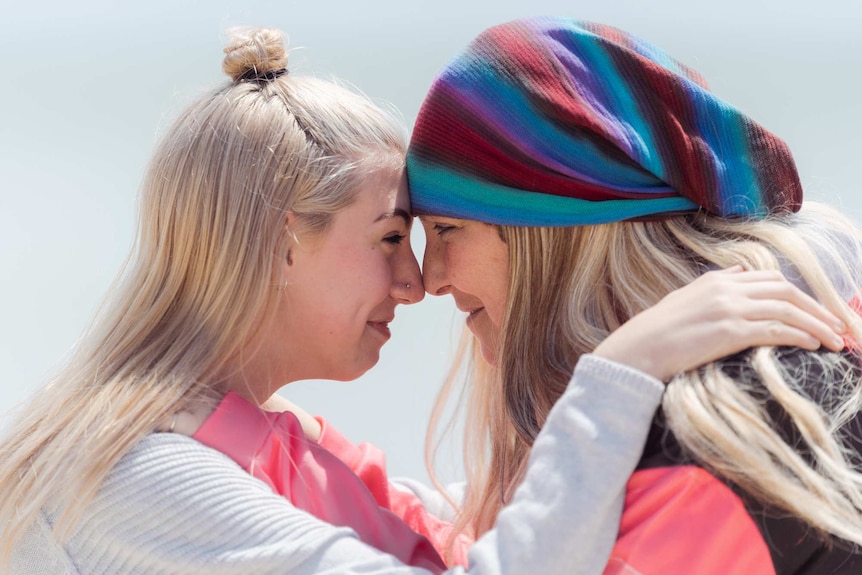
pixel 396 213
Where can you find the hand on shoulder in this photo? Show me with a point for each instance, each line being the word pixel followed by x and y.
pixel 719 314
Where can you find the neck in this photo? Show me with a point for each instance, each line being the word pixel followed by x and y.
pixel 256 382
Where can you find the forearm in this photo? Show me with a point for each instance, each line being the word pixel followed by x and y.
pixel 571 500
pixel 565 515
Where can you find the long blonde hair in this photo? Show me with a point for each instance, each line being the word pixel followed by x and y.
pixel 571 286
pixel 200 280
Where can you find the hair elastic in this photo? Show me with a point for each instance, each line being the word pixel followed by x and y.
pixel 252 75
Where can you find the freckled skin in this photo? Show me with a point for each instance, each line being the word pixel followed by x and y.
pixel 469 261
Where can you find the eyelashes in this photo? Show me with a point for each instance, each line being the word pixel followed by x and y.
pixel 395 239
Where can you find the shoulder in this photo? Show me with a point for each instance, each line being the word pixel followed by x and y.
pixel 174 501
pixel 174 458
pixel 168 468
pixel 169 477
pixel 683 517
pixel 172 476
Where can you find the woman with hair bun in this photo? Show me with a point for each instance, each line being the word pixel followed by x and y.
pixel 594 174
pixel 271 248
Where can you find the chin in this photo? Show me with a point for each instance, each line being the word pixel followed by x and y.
pixel 488 342
pixel 489 354
pixel 356 370
pixel 347 374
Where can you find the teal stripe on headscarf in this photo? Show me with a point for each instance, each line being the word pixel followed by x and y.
pixel 547 121
pixel 637 130
pixel 446 193
pixel 738 188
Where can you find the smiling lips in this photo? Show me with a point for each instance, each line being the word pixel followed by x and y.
pixel 471 311
pixel 471 314
pixel 382 327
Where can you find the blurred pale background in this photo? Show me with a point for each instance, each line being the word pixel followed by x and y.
pixel 88 85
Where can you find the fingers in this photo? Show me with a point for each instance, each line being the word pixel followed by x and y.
pixel 748 276
pixel 719 314
pixel 783 290
pixel 778 333
pixel 727 271
pixel 797 318
pixel 767 294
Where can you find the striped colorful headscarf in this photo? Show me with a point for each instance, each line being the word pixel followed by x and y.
pixel 553 122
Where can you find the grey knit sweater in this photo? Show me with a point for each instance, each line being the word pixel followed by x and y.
pixel 174 506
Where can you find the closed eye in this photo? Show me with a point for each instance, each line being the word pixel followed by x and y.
pixel 442 228
pixel 394 239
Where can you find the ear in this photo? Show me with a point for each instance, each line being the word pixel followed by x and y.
pixel 290 224
pixel 287 245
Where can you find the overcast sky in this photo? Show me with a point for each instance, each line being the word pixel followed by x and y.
pixel 87 86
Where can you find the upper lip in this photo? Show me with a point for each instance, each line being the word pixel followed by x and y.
pixel 383 321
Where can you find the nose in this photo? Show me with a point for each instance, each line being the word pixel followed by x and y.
pixel 434 268
pixel 407 286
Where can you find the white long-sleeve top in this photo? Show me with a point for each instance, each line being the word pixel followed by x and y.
pixel 174 506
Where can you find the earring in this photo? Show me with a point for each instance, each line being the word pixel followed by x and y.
pixel 407 285
pixel 283 286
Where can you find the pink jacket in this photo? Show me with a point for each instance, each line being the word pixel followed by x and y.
pixel 334 480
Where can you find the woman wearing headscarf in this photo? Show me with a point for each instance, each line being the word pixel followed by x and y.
pixel 570 175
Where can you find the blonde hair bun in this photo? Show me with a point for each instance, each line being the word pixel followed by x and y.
pixel 253 52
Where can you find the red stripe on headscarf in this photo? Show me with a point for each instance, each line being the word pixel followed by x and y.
pixel 444 133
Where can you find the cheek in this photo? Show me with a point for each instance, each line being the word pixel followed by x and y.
pixel 350 285
pixel 463 266
pixel 432 256
pixel 367 281
pixel 495 280
pixel 495 304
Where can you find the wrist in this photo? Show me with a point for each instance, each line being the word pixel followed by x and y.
pixel 644 360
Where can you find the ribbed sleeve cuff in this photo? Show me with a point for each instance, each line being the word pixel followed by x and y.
pixel 628 379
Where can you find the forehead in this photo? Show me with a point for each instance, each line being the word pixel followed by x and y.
pixel 432 218
pixel 384 189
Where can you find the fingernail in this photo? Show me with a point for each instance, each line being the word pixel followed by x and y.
pixel 838 343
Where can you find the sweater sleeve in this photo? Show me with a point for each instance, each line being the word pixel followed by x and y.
pixel 273 448
pixel 174 506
